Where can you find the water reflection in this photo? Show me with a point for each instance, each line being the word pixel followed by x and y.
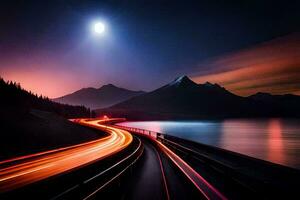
pixel 241 136
pixel 274 140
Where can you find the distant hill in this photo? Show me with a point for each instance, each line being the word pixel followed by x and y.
pixel 287 105
pixel 184 99
pixel 15 101
pixel 93 98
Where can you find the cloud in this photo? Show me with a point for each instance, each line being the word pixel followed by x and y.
pixel 272 66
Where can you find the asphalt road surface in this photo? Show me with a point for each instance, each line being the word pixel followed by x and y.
pixel 156 177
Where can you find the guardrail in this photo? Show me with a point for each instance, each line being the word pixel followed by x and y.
pixel 114 172
pixel 152 134
pixel 208 191
pixel 86 182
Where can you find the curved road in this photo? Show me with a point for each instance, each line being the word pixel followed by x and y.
pixel 158 174
pixel 155 177
pixel 149 180
pixel 21 171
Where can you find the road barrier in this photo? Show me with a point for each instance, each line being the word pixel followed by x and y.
pixel 208 191
pixel 152 134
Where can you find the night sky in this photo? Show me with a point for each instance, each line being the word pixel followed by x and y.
pixel 49 47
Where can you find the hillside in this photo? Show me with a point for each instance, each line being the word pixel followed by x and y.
pixel 37 131
pixel 93 98
pixel 31 124
pixel 287 105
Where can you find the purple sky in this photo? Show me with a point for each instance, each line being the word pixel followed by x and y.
pixel 48 46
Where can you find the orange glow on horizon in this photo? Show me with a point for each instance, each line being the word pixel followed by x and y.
pixel 43 82
pixel 42 75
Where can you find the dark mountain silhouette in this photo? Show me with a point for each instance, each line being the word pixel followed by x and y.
pixel 93 98
pixel 287 105
pixel 184 99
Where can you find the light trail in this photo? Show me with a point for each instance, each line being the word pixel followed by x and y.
pixel 21 171
pixel 201 184
pixel 204 187
pixel 163 175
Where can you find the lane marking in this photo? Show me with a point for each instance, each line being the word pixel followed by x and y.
pixel 112 179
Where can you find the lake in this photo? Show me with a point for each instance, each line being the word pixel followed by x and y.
pixel 275 140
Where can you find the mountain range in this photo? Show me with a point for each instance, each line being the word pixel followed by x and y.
pixel 185 99
pixel 94 98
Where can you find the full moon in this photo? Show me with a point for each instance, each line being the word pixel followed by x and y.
pixel 99 28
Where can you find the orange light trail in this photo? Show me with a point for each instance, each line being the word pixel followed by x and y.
pixel 21 171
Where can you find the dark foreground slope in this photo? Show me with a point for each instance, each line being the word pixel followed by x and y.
pixel 93 98
pixel 31 124
pixel 184 99
pixel 39 131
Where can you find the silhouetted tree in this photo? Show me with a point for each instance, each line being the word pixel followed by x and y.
pixel 14 100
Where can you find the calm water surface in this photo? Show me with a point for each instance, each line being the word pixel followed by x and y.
pixel 275 140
